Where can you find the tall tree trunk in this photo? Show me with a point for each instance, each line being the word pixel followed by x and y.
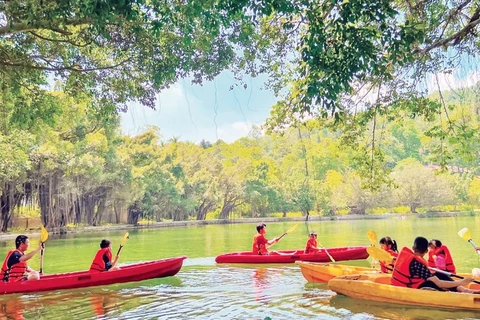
pixel 204 208
pixel 134 213
pixel 226 209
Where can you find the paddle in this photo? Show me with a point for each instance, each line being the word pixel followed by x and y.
pixel 288 231
pixel 285 233
pixel 125 237
pixel 372 235
pixel 43 239
pixel 380 254
pixel 453 275
pixel 465 234
pixel 328 254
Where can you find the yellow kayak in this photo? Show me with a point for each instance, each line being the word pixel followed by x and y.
pixel 324 272
pixel 376 287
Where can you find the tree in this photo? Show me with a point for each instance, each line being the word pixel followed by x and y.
pixel 419 186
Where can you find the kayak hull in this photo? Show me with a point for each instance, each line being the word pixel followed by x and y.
pixel 81 279
pixel 324 272
pixel 290 256
pixel 376 287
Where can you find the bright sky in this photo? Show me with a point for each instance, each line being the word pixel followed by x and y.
pixel 209 112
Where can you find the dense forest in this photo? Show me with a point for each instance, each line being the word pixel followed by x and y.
pixel 356 127
pixel 80 169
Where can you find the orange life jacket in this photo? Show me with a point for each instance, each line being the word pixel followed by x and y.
pixel 15 272
pixel 260 249
pixel 388 267
pixel 98 264
pixel 401 271
pixel 443 250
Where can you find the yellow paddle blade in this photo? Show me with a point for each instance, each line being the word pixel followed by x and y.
pixel 43 234
pixel 372 235
pixel 465 234
pixel 292 228
pixel 379 254
pixel 125 237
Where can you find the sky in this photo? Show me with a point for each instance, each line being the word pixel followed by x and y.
pixel 208 112
pixel 212 111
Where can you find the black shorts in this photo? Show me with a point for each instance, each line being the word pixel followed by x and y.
pixel 441 276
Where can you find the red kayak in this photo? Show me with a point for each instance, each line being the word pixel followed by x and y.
pixel 80 279
pixel 290 256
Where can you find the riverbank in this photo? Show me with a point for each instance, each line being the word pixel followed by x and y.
pixel 188 223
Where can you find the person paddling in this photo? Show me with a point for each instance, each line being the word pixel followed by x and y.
pixel 103 258
pixel 411 270
pixel 439 256
pixel 14 267
pixel 312 244
pixel 259 245
pixel 389 245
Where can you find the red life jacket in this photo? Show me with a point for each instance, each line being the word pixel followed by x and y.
pixel 98 264
pixel 16 272
pixel 443 250
pixel 311 244
pixel 401 272
pixel 257 248
pixel 388 267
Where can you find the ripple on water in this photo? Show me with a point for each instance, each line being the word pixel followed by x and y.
pixel 212 292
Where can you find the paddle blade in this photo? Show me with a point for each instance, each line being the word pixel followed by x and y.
pixel 125 237
pixel 43 234
pixel 292 228
pixel 372 235
pixel 465 234
pixel 379 254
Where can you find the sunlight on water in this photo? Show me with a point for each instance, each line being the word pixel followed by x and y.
pixel 205 290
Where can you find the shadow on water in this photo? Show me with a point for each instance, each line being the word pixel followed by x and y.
pixel 395 311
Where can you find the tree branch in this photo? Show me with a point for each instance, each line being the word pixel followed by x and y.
pixel 454 39
pixel 74 68
pixel 25 27
pixel 61 40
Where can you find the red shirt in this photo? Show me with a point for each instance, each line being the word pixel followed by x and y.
pixel 258 245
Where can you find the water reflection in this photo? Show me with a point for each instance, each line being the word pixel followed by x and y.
pixel 396 312
pixel 11 309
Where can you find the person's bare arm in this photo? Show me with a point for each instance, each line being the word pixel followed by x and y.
pixel 114 263
pixel 29 255
pixel 272 241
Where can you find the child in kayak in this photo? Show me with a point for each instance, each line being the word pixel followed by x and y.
pixel 389 245
pixel 103 258
pixel 412 271
pixel 259 245
pixel 312 244
pixel 439 256
pixel 14 267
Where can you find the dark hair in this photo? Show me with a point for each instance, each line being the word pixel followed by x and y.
pixel 313 233
pixel 20 239
pixel 436 243
pixel 105 244
pixel 420 245
pixel 260 226
pixel 389 242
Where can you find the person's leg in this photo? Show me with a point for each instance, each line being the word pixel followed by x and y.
pixel 33 275
pixel 430 285
pixel 443 276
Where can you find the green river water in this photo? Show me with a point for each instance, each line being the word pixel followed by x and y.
pixel 204 290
